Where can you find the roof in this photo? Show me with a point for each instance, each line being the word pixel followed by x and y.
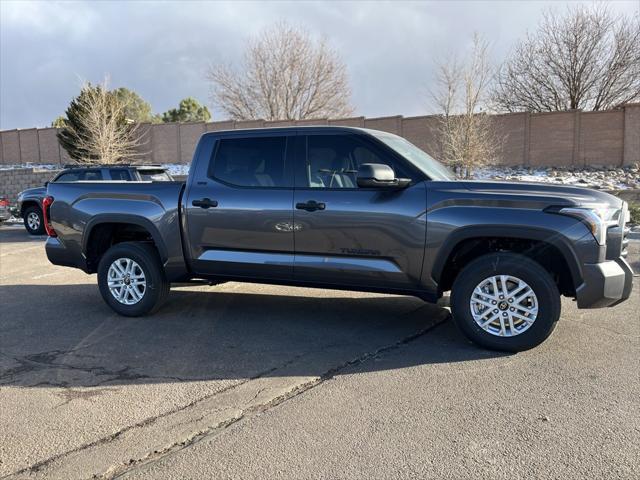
pixel 338 128
pixel 114 165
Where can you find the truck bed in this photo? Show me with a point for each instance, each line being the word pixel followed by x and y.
pixel 78 207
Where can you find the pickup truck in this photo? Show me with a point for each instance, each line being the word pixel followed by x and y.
pixel 30 201
pixel 347 208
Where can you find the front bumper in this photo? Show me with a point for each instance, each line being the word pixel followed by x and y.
pixel 605 284
pixel 5 213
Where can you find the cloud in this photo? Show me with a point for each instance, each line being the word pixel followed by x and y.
pixel 162 49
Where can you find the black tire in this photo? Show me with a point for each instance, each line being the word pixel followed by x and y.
pixel 157 287
pixel 518 266
pixel 34 211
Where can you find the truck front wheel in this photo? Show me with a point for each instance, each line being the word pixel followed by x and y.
pixel 505 301
pixel 33 221
pixel 131 279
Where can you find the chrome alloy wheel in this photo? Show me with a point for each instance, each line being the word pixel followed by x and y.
pixel 504 305
pixel 33 220
pixel 126 281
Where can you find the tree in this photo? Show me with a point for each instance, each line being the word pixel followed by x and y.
pixel 59 122
pixel 96 128
pixel 587 59
pixel 285 75
pixel 135 107
pixel 189 110
pixel 465 132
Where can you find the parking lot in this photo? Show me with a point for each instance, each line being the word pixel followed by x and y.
pixel 254 381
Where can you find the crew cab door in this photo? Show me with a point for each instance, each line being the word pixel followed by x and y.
pixel 239 213
pixel 369 237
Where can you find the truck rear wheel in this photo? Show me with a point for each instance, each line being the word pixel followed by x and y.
pixel 505 301
pixel 131 279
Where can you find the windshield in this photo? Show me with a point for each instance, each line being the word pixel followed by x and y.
pixel 154 175
pixel 431 167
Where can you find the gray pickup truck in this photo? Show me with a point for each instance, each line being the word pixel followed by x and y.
pixel 30 201
pixel 348 208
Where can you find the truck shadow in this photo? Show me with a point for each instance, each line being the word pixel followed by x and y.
pixel 65 336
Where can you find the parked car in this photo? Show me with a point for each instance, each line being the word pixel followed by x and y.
pixel 30 200
pixel 354 209
pixel 5 209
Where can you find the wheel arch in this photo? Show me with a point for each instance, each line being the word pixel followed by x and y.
pixel 486 239
pixel 28 203
pixel 118 222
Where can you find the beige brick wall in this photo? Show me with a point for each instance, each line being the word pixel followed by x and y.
pixel 540 139
pixel 13 181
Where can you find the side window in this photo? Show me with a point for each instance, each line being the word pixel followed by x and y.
pixel 69 177
pixel 120 174
pixel 250 162
pixel 333 160
pixel 91 175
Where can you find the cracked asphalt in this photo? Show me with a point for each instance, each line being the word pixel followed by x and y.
pixel 253 381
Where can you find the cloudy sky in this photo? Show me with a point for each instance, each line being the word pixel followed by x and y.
pixel 162 49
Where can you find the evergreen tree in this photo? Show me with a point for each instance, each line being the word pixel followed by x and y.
pixel 189 110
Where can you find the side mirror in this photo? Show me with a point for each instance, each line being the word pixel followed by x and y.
pixel 378 175
pixel 46 184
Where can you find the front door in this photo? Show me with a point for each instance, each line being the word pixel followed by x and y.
pixel 368 237
pixel 240 217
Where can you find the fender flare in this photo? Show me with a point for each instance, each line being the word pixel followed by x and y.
pixel 551 237
pixel 124 218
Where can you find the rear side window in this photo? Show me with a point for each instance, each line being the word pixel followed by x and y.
pixel 251 162
pixel 120 174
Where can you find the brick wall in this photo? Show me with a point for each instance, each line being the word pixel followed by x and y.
pixel 15 180
pixel 573 138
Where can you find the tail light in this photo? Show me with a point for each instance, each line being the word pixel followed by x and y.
pixel 46 205
pixel 4 202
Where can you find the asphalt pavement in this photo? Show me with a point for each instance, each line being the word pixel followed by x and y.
pixel 253 381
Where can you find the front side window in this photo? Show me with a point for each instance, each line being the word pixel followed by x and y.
pixel 333 160
pixel 250 162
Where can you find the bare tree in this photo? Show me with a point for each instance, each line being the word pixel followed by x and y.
pixel 96 130
pixel 465 132
pixel 285 75
pixel 587 59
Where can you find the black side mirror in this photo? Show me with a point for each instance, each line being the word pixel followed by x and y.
pixel 378 175
pixel 46 184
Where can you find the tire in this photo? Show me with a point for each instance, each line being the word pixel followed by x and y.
pixel 498 335
pixel 34 221
pixel 147 261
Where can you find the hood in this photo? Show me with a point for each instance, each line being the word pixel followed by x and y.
pixel 561 195
pixel 34 192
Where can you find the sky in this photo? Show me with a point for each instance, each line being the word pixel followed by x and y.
pixel 163 49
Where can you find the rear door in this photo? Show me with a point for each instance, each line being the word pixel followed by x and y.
pixel 240 208
pixel 370 237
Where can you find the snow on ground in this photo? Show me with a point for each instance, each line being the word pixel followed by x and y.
pixel 600 178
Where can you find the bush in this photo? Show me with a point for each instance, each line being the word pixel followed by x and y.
pixel 634 210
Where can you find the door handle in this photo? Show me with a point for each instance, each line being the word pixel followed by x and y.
pixel 310 206
pixel 204 203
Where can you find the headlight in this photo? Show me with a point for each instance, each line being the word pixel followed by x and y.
pixel 598 219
